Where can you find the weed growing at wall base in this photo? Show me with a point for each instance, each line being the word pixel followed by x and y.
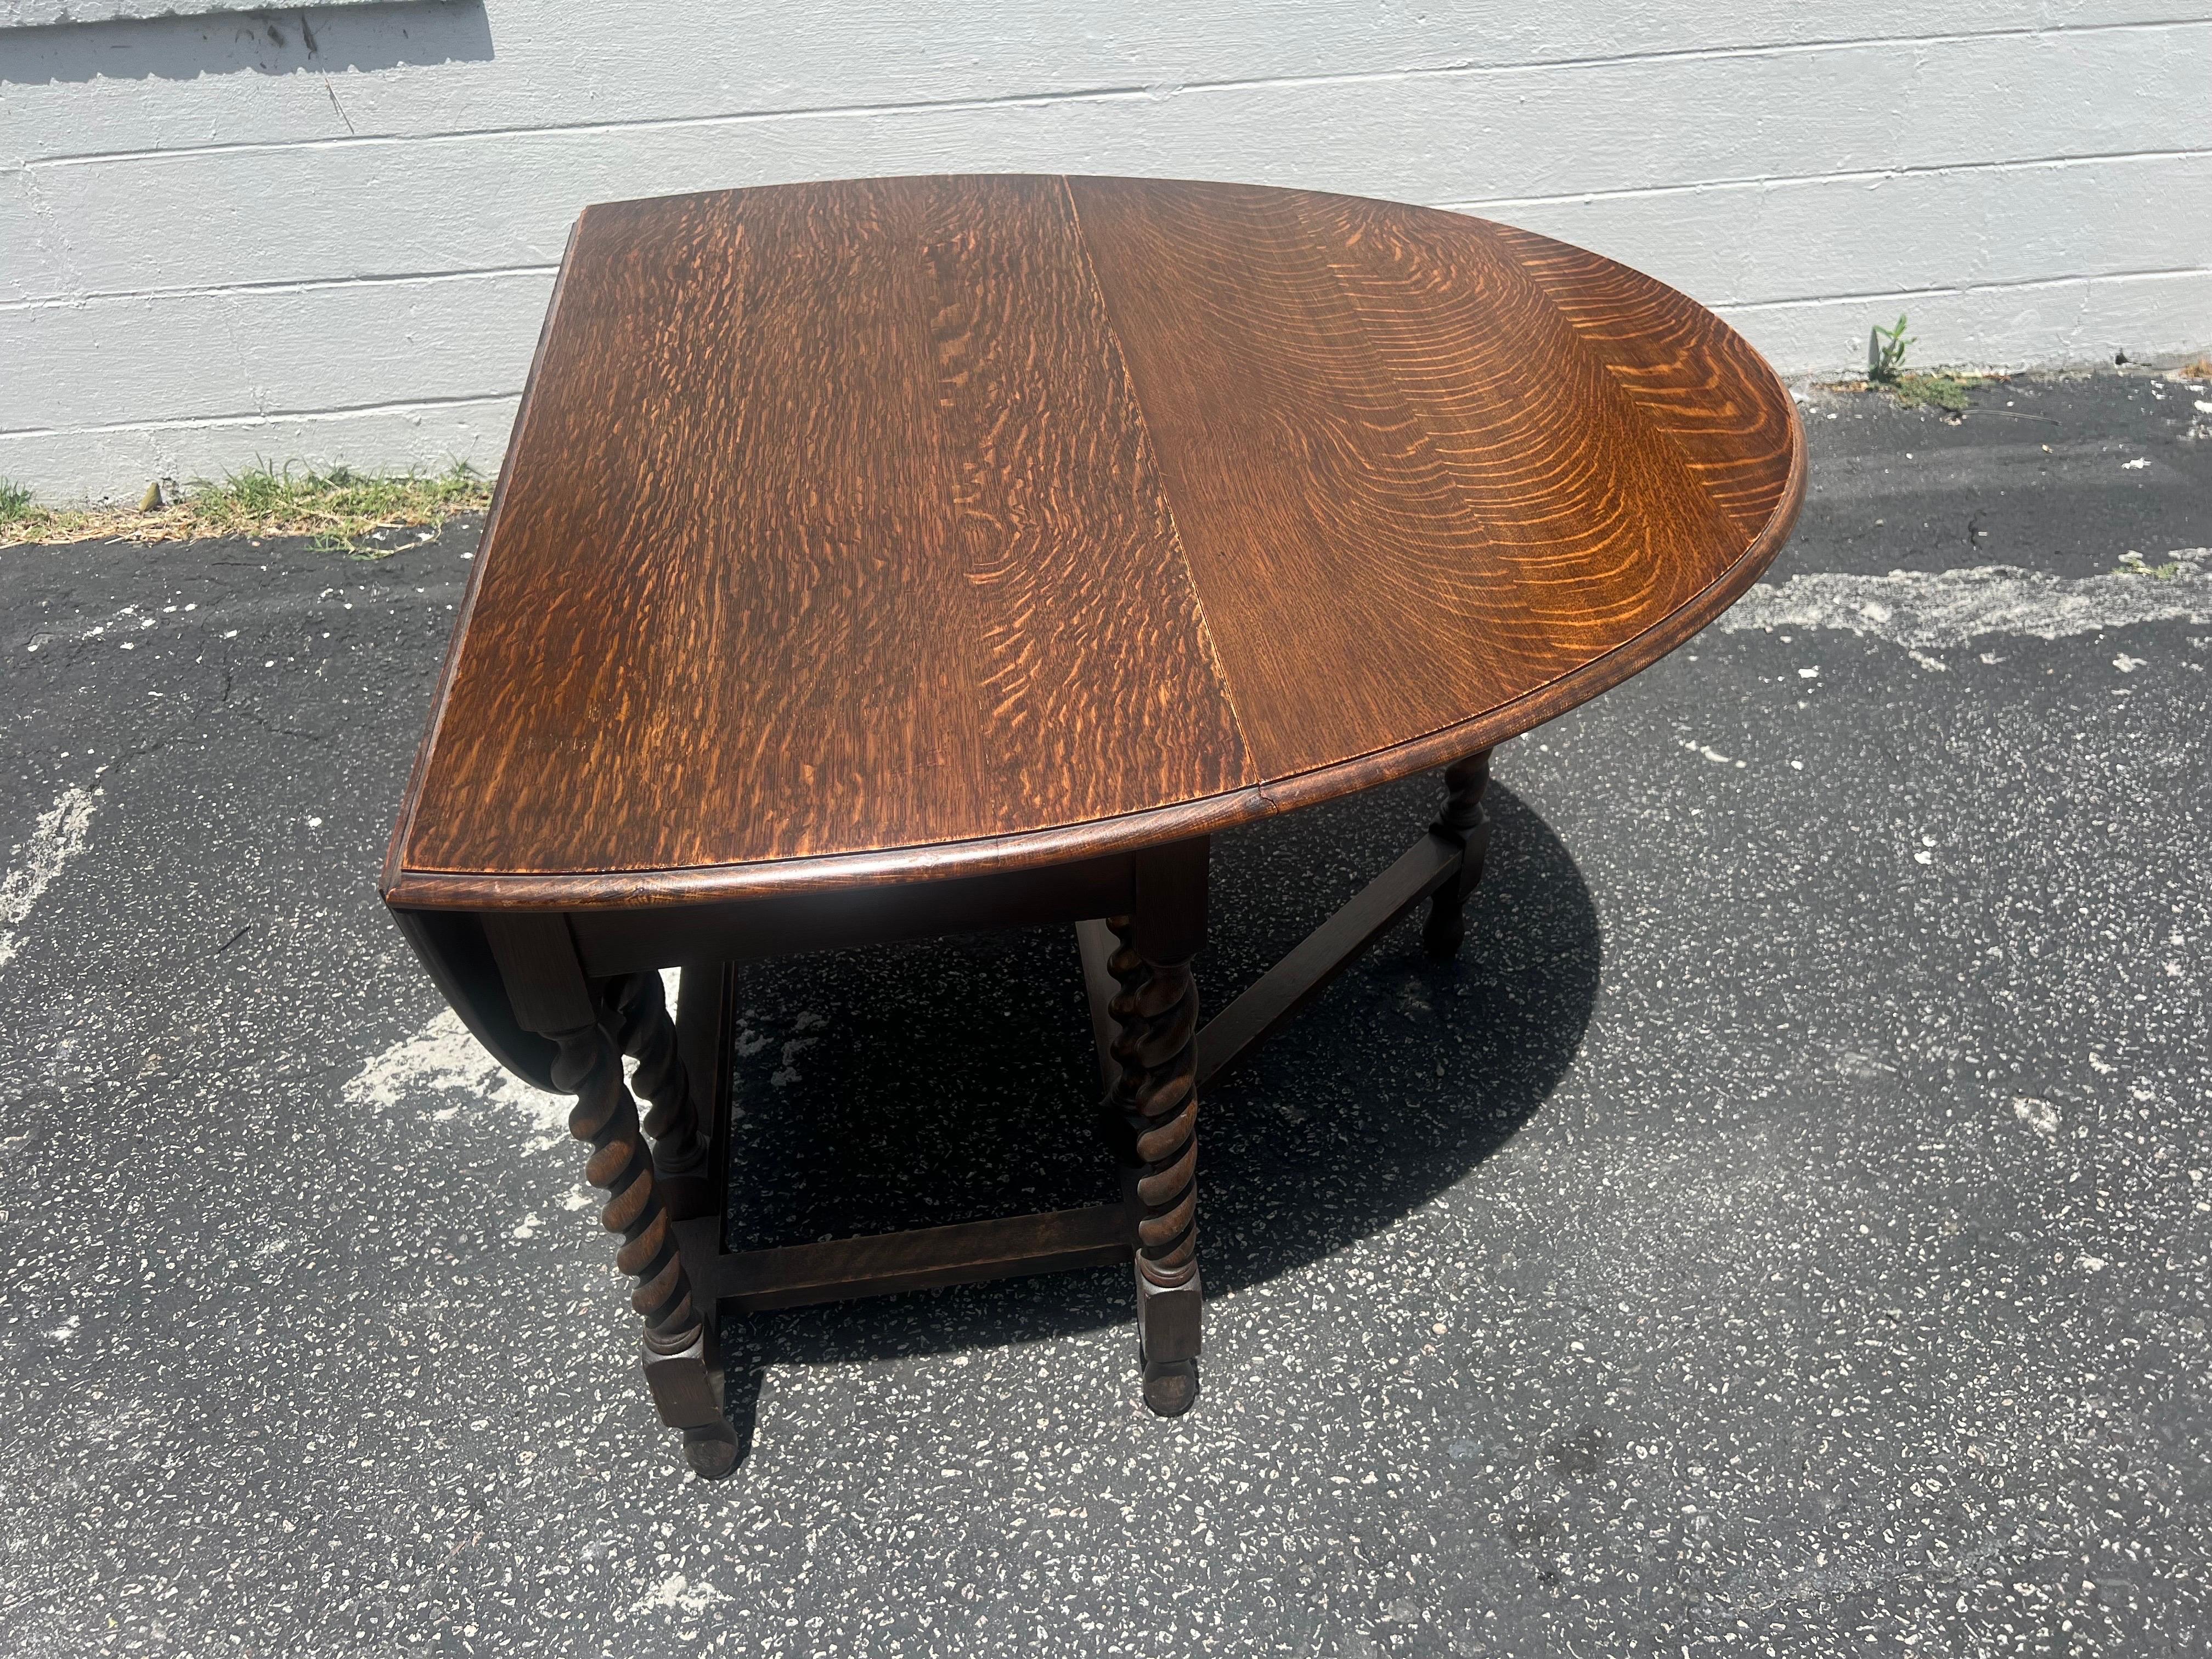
pixel 1886 351
pixel 342 510
pixel 1935 389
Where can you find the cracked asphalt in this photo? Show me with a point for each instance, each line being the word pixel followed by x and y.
pixel 1784 1230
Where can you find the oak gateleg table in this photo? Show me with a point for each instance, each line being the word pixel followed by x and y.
pixel 891 558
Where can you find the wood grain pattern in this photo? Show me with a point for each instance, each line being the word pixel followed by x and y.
pixel 864 532
pixel 1319 520
pixel 1691 375
pixel 1091 642
pixel 736 618
pixel 1597 516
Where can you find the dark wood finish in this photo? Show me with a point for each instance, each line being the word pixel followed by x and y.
pixel 1465 822
pixel 1445 865
pixel 620 941
pixel 1096 943
pixel 1151 1102
pixel 857 533
pixel 642 1028
pixel 886 1264
pixel 705 1039
pixel 551 996
pixel 883 559
pixel 452 950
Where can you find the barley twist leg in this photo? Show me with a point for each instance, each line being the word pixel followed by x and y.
pixel 677 1359
pixel 643 1029
pixel 1156 1099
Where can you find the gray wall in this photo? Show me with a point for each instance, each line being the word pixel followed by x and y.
pixel 329 235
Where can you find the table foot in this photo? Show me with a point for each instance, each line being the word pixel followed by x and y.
pixel 687 1391
pixel 1170 1386
pixel 1167 1320
pixel 1467 820
pixel 711 1450
pixel 686 1394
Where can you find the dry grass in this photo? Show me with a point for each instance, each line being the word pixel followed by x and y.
pixel 1937 389
pixel 1933 390
pixel 342 510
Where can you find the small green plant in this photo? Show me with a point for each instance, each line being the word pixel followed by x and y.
pixel 2133 564
pixel 1935 389
pixel 1886 351
pixel 15 501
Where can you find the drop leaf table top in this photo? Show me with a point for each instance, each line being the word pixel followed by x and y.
pixel 861 530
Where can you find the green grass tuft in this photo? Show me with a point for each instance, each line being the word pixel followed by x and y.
pixel 1933 390
pixel 340 510
pixel 2133 564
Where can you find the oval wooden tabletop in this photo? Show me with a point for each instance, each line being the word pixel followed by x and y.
pixel 868 530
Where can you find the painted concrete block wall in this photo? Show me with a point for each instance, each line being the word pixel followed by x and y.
pixel 329 235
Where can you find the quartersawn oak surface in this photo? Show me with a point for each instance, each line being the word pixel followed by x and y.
pixel 865 530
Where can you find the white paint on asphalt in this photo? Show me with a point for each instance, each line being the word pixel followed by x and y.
pixel 58 836
pixel 677 1592
pixel 444 1059
pixel 1914 608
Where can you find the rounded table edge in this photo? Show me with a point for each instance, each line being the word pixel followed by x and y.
pixel 405 889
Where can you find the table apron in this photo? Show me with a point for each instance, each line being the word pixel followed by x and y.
pixel 623 941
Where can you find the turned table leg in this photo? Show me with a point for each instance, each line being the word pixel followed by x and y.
pixel 638 1021
pixel 551 996
pixel 1466 820
pixel 1155 1097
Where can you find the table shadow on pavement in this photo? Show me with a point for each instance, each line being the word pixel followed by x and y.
pixel 950 1080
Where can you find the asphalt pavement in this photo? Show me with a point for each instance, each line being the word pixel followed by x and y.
pixel 1785 1230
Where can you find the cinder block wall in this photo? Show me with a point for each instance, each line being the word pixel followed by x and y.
pixel 329 235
